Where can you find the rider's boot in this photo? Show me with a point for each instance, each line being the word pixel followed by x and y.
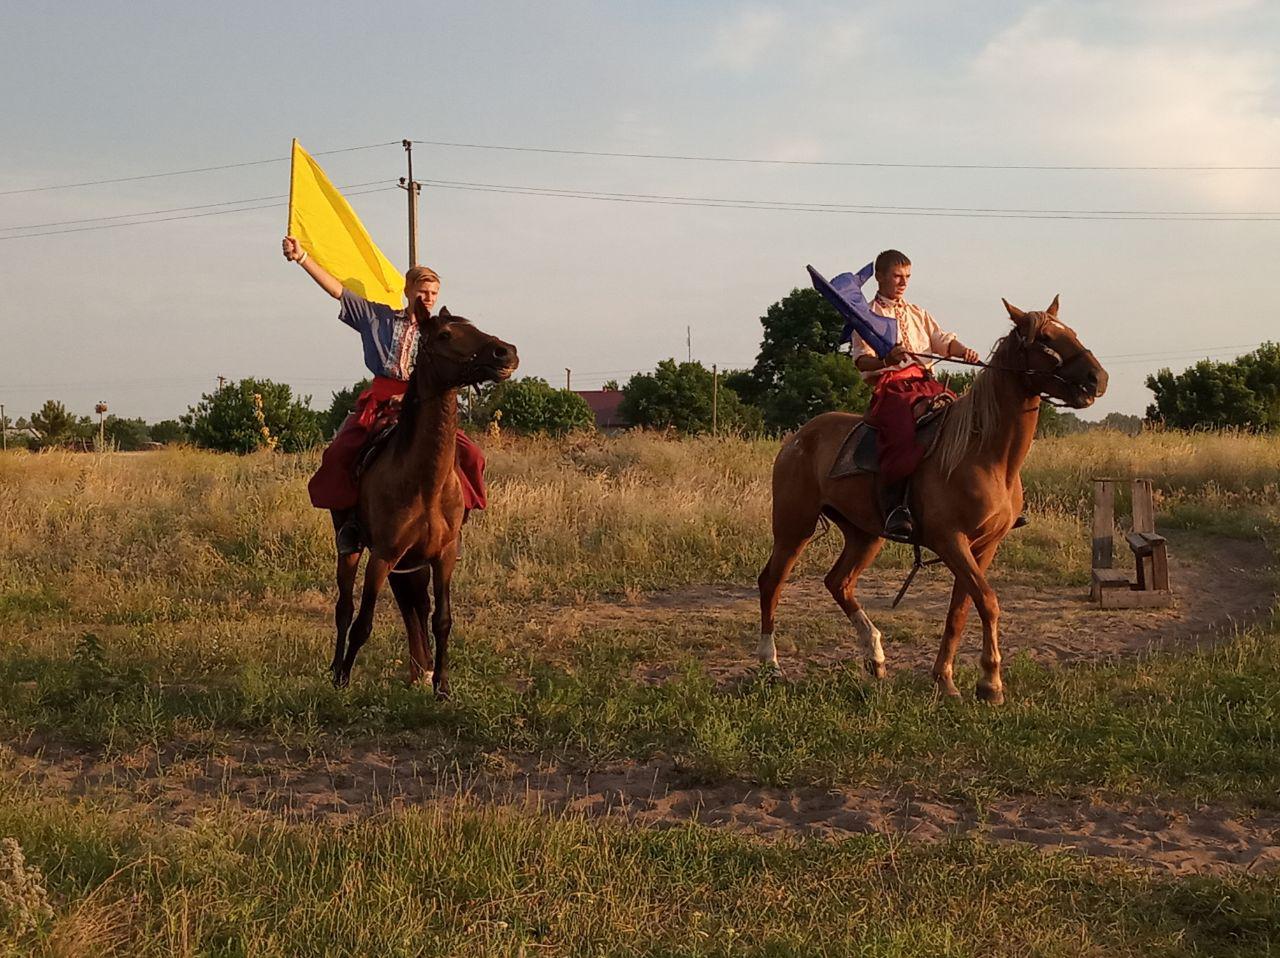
pixel 347 533
pixel 898 524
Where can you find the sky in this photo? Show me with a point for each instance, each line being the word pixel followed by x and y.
pixel 146 317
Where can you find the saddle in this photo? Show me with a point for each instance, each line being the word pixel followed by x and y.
pixel 383 427
pixel 860 452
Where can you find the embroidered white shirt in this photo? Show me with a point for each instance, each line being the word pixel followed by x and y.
pixel 918 332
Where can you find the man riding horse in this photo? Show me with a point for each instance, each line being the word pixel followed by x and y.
pixel 390 338
pixel 900 381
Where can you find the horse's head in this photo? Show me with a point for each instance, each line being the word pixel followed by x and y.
pixel 453 352
pixel 1054 361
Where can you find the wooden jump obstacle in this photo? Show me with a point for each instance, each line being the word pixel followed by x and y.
pixel 1111 587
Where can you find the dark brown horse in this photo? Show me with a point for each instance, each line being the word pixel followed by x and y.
pixel 411 503
pixel 966 495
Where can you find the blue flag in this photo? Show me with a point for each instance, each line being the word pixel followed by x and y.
pixel 844 292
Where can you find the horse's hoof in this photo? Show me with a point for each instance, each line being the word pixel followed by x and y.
pixel 442 694
pixel 771 672
pixel 877 670
pixel 992 695
pixel 341 679
pixel 947 688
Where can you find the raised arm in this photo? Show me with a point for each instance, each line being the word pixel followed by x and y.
pixel 294 253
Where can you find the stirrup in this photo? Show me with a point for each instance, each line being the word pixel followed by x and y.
pixel 899 526
pixel 347 538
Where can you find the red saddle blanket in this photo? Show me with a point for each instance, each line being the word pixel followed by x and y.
pixel 335 484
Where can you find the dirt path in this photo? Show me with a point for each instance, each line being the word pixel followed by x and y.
pixel 354 782
pixel 1219 585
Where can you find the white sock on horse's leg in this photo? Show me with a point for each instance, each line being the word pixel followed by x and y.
pixel 767 651
pixel 870 636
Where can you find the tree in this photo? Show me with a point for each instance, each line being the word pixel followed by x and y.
pixel 228 419
pixel 1054 422
pixel 127 435
pixel 53 423
pixel 344 401
pixel 1241 394
pixel 1121 422
pixel 798 372
pixel 531 405
pixel 680 396
pixel 168 431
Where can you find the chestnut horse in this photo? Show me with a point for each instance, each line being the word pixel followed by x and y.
pixel 411 503
pixel 966 496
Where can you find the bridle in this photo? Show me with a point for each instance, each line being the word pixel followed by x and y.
pixel 426 351
pixel 1028 346
pixel 1055 371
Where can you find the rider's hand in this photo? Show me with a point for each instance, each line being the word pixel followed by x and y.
pixel 291 248
pixel 969 355
pixel 896 355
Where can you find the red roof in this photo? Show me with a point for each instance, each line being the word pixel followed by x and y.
pixel 604 403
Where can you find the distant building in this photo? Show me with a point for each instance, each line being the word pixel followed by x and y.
pixel 604 404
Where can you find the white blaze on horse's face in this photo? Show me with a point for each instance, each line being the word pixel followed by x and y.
pixel 1061 366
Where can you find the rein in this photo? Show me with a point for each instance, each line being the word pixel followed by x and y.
pixel 1049 351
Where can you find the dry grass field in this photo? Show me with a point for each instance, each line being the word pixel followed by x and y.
pixel 612 775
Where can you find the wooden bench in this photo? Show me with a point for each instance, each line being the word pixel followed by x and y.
pixel 1111 588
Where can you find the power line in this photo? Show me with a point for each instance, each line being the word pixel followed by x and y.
pixel 660 199
pixel 202 169
pixel 170 219
pixel 854 163
pixel 176 209
pixel 863 206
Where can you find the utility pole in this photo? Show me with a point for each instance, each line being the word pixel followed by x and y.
pixel 412 187
pixel 568 378
pixel 222 381
pixel 715 399
pixel 101 410
pixel 4 429
pixel 688 342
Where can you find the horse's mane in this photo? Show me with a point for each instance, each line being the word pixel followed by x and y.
pixel 410 406
pixel 972 418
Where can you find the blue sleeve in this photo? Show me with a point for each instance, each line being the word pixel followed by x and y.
pixel 358 313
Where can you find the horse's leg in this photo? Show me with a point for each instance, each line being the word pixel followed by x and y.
pixel 348 566
pixel 375 576
pixel 971 580
pixel 860 550
pixel 788 544
pixel 442 617
pixel 957 615
pixel 410 590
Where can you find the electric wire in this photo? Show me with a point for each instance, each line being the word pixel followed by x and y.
pixel 657 199
pixel 1193 168
pixel 170 219
pixel 202 169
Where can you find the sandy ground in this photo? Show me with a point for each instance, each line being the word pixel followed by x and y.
pixel 1219 589
pixel 338 784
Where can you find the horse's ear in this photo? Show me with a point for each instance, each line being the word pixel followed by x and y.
pixel 444 312
pixel 1015 314
pixel 420 311
pixel 1053 308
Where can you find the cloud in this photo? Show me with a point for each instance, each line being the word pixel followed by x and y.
pixel 1148 101
pixel 739 44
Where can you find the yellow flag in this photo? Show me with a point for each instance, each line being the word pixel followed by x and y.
pixel 329 230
